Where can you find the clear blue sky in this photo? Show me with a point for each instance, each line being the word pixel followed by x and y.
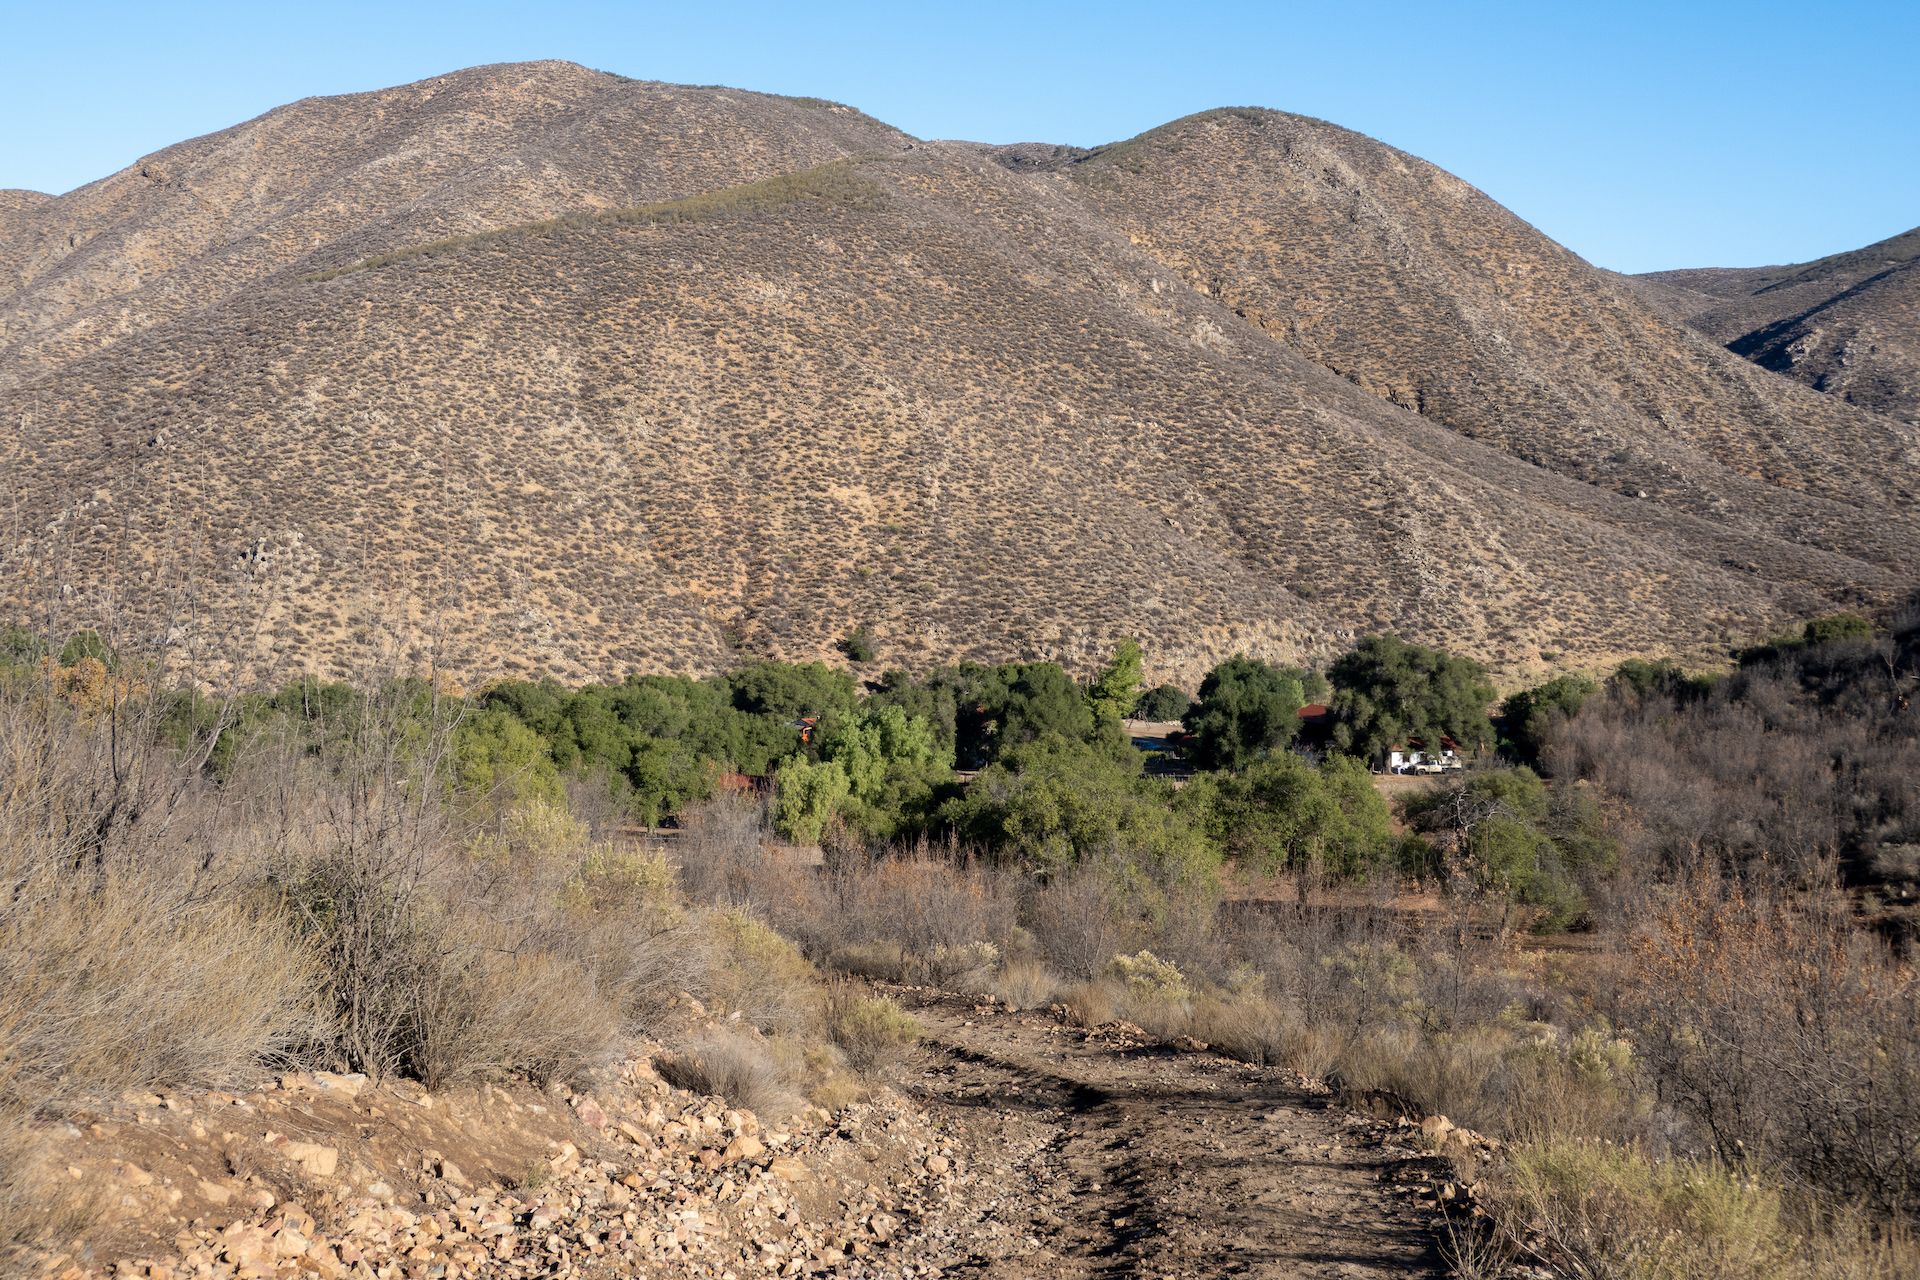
pixel 1643 135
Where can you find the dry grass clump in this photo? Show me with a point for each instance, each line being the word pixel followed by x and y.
pixel 140 947
pixel 873 1032
pixel 1253 1029
pixel 1605 1210
pixel 120 984
pixel 731 1065
pixel 1025 984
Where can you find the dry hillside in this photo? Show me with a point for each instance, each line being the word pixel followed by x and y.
pixel 547 370
pixel 1848 324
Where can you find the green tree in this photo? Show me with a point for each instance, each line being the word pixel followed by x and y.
pixel 1531 715
pixel 1052 803
pixel 791 690
pixel 806 796
pixel 1506 832
pixel 498 761
pixel 895 766
pixel 1387 691
pixel 1117 687
pixel 20 647
pixel 663 776
pixel 1638 679
pixel 1027 702
pixel 935 700
pixel 1836 627
pixel 1163 702
pixel 1246 709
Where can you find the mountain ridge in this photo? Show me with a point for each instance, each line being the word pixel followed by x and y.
pixel 978 401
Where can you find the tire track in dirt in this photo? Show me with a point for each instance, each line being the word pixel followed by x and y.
pixel 1098 1157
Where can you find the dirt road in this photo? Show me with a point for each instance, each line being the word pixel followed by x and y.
pixel 1105 1157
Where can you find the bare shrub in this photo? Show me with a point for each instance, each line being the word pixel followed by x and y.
pixel 137 950
pixel 919 916
pixel 722 851
pixel 1248 1027
pixel 1077 923
pixel 1780 1030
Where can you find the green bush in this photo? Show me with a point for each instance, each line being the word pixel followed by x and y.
pixel 1162 703
pixel 1054 803
pixel 1507 832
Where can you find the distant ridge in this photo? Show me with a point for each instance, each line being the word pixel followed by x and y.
pixel 1848 324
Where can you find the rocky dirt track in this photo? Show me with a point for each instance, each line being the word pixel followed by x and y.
pixel 1100 1154
pixel 1015 1145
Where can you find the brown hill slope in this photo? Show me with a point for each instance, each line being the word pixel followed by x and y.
pixel 1848 324
pixel 918 390
pixel 338 179
pixel 1420 289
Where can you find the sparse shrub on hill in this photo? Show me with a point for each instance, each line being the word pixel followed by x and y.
pixel 857 646
pixel 835 182
pixel 1834 628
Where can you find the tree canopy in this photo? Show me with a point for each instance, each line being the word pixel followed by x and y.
pixel 1058 801
pixel 1388 691
pixel 1246 709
